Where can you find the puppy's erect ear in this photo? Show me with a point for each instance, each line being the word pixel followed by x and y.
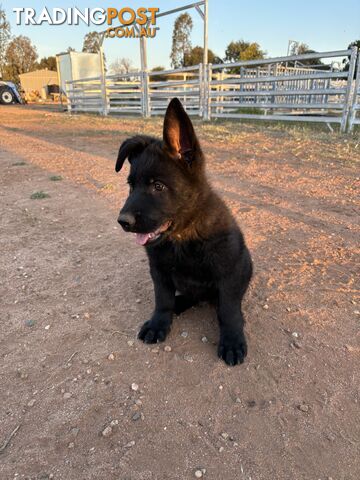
pixel 130 148
pixel 179 135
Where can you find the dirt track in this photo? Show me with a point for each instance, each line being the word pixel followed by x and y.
pixel 73 286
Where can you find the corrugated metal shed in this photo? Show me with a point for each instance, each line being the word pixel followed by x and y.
pixel 38 81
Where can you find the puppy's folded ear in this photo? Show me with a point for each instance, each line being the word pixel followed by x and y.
pixel 131 148
pixel 179 135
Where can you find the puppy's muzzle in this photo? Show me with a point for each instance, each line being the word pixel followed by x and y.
pixel 127 221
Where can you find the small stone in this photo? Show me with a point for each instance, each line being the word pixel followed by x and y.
pixel 138 402
pixel 47 327
pixel 288 309
pixel 107 431
pixel 184 334
pixel 188 358
pixel 88 371
pixel 220 387
pixel 67 395
pixel 111 357
pixel 297 344
pixel 225 435
pixel 221 449
pixel 266 306
pixel 113 423
pixel 155 350
pixel 75 431
pixel 136 416
pixel 29 323
pixel 303 407
pixel 238 400
pixel 31 402
pixel 295 335
pixel 22 375
pixel 204 340
pixel 138 300
pixel 134 387
pixel 71 445
pixel 130 444
pixel 130 343
pixel 198 474
pixel 86 315
pixel 167 348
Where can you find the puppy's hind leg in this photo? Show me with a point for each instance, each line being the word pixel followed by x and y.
pixel 183 303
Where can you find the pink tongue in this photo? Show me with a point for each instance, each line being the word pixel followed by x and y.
pixel 142 238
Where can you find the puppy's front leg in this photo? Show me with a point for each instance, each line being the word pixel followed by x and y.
pixel 157 328
pixel 232 345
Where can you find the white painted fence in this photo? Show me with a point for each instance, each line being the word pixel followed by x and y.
pixel 269 89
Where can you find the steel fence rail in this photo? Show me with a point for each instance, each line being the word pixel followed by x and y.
pixel 266 89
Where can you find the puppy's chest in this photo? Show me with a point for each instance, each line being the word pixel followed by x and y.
pixel 190 264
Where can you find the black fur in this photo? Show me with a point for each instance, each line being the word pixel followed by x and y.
pixel 197 249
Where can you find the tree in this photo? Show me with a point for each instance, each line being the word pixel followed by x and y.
pixel 181 43
pixel 196 55
pixel 158 78
pixel 242 51
pixel 304 48
pixel 5 34
pixel 92 42
pixel 48 63
pixel 21 56
pixel 121 65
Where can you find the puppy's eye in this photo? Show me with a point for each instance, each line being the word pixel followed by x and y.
pixel 158 186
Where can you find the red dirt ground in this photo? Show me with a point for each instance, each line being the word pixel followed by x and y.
pixel 74 290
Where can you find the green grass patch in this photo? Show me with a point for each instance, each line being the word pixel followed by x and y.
pixel 39 195
pixel 108 186
pixel 19 164
pixel 56 178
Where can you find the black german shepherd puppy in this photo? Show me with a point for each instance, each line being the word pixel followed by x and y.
pixel 193 243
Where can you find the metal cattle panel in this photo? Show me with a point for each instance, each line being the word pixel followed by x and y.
pixel 124 93
pixel 85 95
pixel 269 89
pixel 278 88
pixel 184 83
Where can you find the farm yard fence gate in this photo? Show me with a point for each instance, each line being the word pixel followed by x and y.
pixel 291 88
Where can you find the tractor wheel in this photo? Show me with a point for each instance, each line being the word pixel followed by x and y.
pixel 6 96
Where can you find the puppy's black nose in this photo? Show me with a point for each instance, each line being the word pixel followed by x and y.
pixel 127 221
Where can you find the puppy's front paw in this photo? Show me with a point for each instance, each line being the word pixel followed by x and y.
pixel 152 332
pixel 232 348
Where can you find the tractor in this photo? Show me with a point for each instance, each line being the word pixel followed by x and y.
pixel 9 93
